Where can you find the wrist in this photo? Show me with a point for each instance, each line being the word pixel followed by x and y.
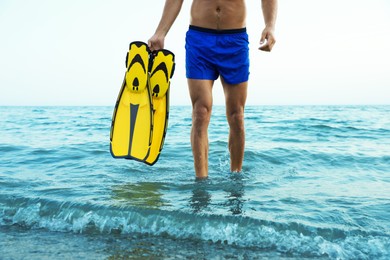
pixel 270 27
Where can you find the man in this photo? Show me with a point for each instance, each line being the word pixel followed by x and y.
pixel 217 45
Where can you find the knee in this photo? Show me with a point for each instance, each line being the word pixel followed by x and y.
pixel 201 115
pixel 236 120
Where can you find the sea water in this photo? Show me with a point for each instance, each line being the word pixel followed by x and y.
pixel 315 184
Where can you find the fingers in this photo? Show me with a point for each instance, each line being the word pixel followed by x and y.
pixel 155 43
pixel 150 44
pixel 263 37
pixel 267 46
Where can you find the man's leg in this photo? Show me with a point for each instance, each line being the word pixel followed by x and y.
pixel 235 97
pixel 202 101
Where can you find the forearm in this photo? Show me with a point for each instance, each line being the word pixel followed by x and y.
pixel 270 9
pixel 171 11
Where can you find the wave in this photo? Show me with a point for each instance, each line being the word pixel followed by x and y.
pixel 6 148
pixel 307 157
pixel 291 238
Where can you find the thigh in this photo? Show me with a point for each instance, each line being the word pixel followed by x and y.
pixel 201 92
pixel 235 96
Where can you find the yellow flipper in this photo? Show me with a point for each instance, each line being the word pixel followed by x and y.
pixel 131 128
pixel 159 84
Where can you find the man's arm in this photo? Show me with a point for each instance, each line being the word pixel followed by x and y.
pixel 270 9
pixel 171 11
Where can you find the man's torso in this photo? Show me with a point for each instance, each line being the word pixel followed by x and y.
pixel 218 14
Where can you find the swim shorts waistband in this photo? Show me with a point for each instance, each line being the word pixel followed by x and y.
pixel 215 31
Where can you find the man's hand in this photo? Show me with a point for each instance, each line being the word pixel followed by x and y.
pixel 267 40
pixel 156 42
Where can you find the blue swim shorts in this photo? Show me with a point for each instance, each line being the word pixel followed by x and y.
pixel 213 53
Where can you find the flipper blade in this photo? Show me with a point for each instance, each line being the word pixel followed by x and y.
pixel 159 84
pixel 131 127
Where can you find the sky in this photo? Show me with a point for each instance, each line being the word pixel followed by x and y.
pixel 328 52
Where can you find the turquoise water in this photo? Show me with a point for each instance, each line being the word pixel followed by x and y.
pixel 316 184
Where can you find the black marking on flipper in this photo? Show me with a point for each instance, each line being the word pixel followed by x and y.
pixel 133 118
pixel 162 67
pixel 135 83
pixel 156 90
pixel 137 59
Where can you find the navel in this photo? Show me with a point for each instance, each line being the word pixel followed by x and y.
pixel 218 15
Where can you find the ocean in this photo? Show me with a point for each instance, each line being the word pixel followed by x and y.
pixel 315 184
